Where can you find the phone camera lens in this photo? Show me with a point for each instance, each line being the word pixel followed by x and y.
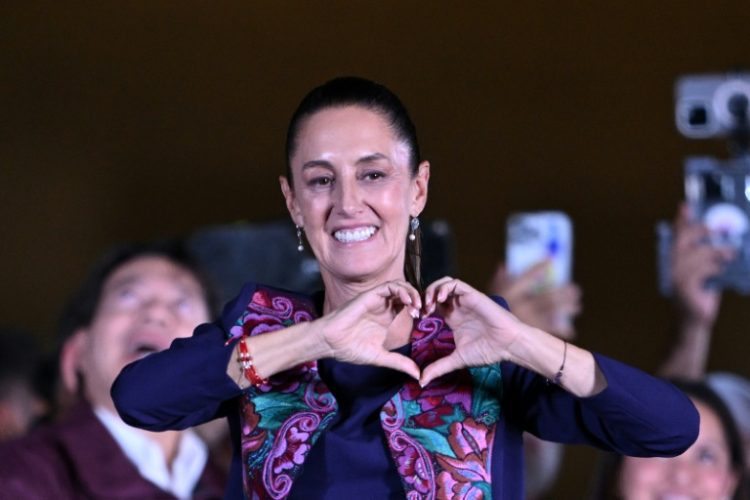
pixel 697 116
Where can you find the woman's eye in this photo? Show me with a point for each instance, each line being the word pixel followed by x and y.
pixel 706 456
pixel 374 175
pixel 320 181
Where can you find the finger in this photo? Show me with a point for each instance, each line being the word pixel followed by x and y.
pixel 440 367
pixel 684 216
pixel 560 299
pixel 500 281
pixel 409 296
pixel 403 293
pixel 563 327
pixel 530 281
pixel 416 299
pixel 702 262
pixel 398 362
pixel 429 294
pixel 445 290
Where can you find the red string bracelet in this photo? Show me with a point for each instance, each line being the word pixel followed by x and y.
pixel 246 364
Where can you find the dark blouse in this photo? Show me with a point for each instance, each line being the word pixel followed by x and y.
pixel 186 385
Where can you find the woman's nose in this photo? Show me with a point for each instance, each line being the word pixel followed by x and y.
pixel 348 196
pixel 680 472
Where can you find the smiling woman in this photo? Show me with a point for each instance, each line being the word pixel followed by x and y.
pixel 375 385
pixel 713 468
pixel 354 195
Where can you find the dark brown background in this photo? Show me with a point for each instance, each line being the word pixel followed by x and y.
pixel 129 120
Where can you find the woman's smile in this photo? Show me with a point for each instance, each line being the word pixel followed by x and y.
pixel 355 235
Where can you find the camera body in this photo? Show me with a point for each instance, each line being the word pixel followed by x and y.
pixel 715 105
pixel 717 191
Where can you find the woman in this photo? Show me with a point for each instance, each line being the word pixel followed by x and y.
pixel 373 388
pixel 712 468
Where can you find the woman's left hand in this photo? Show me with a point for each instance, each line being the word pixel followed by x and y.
pixel 483 330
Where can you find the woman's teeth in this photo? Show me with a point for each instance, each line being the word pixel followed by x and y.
pixel 351 236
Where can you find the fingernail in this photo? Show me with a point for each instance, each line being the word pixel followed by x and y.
pixel 414 313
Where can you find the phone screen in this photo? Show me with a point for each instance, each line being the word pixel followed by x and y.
pixel 536 236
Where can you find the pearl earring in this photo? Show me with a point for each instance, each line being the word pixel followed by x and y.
pixel 413 226
pixel 300 246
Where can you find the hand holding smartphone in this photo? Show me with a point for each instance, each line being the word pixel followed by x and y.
pixel 533 237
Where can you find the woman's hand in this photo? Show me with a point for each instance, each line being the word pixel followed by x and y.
pixel 551 309
pixel 357 332
pixel 693 262
pixel 483 331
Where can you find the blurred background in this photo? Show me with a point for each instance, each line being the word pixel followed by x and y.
pixel 133 120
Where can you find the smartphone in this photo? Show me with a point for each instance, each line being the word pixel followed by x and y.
pixel 536 236
pixel 718 193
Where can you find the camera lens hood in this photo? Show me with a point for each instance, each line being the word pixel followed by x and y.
pixel 730 104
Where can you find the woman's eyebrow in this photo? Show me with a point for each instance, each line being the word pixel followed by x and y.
pixel 371 158
pixel 316 163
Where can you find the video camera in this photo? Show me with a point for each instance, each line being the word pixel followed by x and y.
pixel 717 191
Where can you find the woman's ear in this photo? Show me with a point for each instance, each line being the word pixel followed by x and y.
pixel 420 184
pixel 291 201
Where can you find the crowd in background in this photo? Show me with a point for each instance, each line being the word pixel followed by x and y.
pixel 46 399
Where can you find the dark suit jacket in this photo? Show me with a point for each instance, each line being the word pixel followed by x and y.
pixel 77 458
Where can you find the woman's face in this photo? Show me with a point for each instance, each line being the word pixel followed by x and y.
pixel 703 472
pixel 353 193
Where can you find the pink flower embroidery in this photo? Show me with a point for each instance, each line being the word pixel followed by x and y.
pixel 469 441
pixel 452 389
pixel 291 450
pixel 411 467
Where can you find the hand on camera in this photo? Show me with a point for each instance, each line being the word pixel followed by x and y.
pixel 693 262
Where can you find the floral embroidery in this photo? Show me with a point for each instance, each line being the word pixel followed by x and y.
pixel 467 475
pixel 280 420
pixel 441 436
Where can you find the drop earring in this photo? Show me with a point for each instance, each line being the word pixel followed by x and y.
pixel 300 246
pixel 413 226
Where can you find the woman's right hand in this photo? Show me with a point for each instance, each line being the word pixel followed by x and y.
pixel 693 262
pixel 357 331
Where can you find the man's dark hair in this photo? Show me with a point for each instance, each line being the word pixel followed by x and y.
pixel 20 356
pixel 81 308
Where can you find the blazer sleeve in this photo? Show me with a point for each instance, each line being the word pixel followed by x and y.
pixel 637 414
pixel 186 384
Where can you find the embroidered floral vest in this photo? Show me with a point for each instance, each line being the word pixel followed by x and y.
pixel 440 437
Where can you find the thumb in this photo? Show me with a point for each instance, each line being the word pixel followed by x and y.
pixel 531 279
pixel 440 367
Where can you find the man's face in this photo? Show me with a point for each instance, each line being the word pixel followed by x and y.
pixel 144 305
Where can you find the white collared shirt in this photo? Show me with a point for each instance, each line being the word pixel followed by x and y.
pixel 148 457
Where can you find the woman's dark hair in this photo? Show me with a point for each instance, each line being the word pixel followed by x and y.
pixel 354 91
pixel 81 308
pixel 605 486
